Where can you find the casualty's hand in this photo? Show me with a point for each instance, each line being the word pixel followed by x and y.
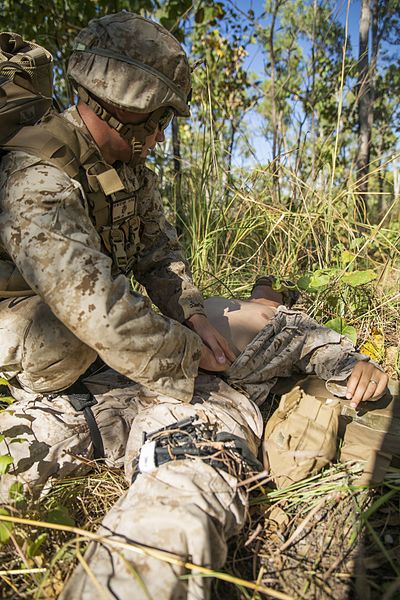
pixel 216 354
pixel 366 382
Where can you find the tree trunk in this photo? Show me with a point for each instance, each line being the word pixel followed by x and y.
pixel 364 107
pixel 229 178
pixel 313 116
pixel 274 111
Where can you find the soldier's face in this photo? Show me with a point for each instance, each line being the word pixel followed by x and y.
pixel 137 118
pixel 151 141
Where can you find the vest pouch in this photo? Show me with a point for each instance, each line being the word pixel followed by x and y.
pixel 26 83
pixel 300 437
pixel 117 239
pixel 134 231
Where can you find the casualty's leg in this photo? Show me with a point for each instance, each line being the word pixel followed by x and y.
pixel 312 427
pixel 189 507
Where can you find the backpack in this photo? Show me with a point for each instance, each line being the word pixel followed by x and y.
pixel 26 84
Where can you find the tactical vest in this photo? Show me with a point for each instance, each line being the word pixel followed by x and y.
pixel 112 208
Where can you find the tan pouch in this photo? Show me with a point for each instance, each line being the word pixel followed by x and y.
pixel 370 434
pixel 26 83
pixel 300 437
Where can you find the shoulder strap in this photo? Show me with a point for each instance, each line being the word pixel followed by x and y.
pixel 54 140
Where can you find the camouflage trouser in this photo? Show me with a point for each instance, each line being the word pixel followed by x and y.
pixel 186 507
pixel 37 352
pixel 49 438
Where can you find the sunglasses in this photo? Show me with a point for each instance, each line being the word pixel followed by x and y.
pixel 166 118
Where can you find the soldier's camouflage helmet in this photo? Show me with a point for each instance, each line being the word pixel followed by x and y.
pixel 132 63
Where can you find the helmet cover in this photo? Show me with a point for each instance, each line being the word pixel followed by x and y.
pixel 132 63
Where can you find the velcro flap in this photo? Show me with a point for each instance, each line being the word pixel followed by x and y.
pixel 110 182
pixel 309 407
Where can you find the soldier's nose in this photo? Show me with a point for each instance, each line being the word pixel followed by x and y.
pixel 160 137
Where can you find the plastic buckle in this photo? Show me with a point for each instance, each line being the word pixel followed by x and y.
pixel 82 401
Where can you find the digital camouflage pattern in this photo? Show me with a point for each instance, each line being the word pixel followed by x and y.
pixel 186 507
pixel 132 63
pixel 37 351
pixel 293 343
pixel 49 241
pixel 48 438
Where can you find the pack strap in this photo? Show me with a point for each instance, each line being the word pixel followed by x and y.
pixel 82 400
pixel 44 145
pixel 16 294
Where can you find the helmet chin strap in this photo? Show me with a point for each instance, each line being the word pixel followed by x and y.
pixel 133 133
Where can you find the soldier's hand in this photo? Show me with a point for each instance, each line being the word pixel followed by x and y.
pixel 222 353
pixel 208 361
pixel 366 382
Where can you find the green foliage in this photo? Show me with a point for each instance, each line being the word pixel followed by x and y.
pixel 357 278
pixel 6 400
pixel 5 527
pixel 35 547
pixel 303 48
pixel 222 90
pixel 60 515
pixel 5 461
pixel 339 324
pixel 16 493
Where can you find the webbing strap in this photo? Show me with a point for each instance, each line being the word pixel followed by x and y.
pixel 4 294
pixel 82 400
pixel 44 145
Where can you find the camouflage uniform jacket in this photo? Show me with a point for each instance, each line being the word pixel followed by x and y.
pixel 49 243
pixel 292 343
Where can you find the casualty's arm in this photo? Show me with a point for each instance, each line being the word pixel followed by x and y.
pixel 366 382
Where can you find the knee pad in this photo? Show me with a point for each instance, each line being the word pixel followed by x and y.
pixel 190 439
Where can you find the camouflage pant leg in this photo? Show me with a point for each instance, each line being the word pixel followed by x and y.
pixel 37 350
pixel 47 438
pixel 186 507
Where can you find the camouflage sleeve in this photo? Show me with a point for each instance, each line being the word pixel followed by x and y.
pixel 328 354
pixel 161 267
pixel 47 231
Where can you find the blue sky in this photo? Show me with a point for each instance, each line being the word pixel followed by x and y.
pixel 254 61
